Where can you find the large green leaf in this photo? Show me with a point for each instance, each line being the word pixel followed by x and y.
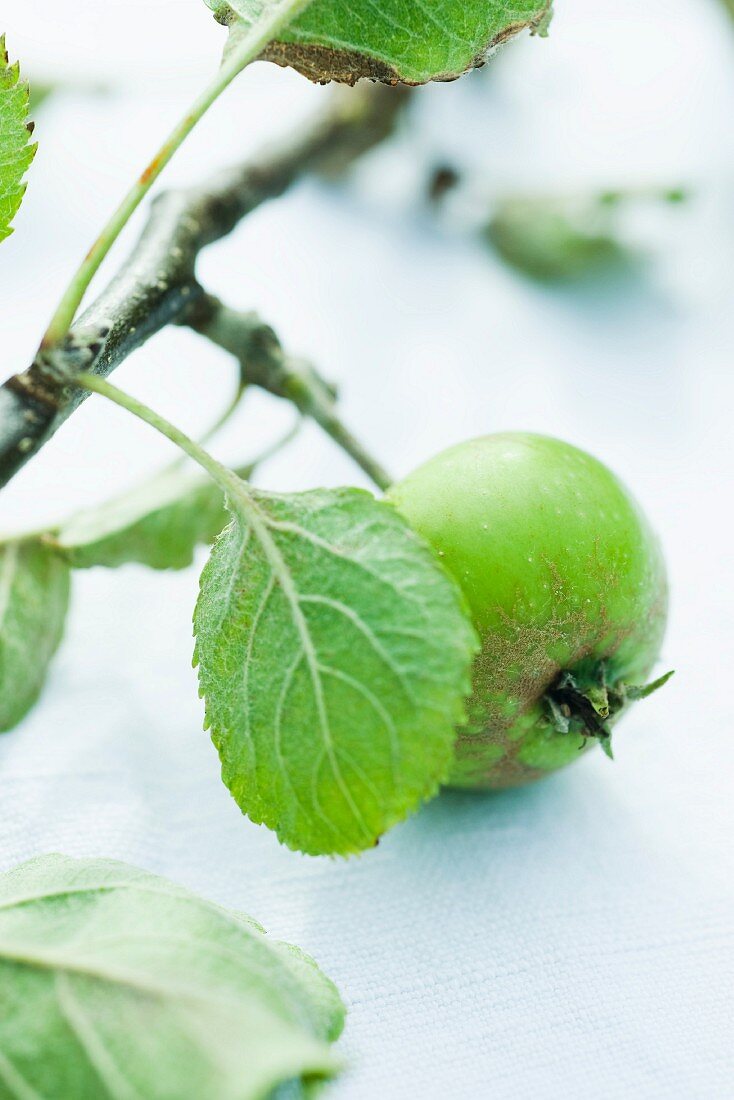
pixel 117 985
pixel 16 150
pixel 159 524
pixel 413 41
pixel 34 597
pixel 334 655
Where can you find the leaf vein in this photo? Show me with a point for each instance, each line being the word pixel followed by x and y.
pixel 285 688
pixel 15 1080
pixel 377 707
pixel 260 523
pixel 356 619
pixel 99 1059
pixel 295 529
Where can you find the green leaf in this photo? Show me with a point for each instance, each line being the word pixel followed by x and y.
pixel 159 524
pixel 16 150
pixel 334 655
pixel 556 240
pixel 34 597
pixel 390 40
pixel 118 985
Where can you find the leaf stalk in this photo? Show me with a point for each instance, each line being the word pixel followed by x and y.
pixel 224 477
pixel 264 363
pixel 156 285
pixel 248 48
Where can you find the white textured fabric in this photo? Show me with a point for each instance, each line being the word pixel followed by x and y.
pixel 570 940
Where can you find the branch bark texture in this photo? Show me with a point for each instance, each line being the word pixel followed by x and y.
pixel 157 285
pixel 264 363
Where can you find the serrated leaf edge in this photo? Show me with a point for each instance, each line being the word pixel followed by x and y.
pixel 12 73
pixel 433 783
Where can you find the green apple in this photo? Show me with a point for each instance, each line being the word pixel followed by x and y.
pixel 566 586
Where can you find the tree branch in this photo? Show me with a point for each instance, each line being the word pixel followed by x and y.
pixel 264 363
pixel 157 285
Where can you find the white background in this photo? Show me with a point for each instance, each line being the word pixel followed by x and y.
pixel 568 940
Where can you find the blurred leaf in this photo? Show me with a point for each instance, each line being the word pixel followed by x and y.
pixel 159 524
pixel 555 241
pixel 115 984
pixel 557 238
pixel 34 598
pixel 40 92
pixel 396 40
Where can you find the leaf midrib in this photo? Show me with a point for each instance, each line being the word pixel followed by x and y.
pixel 58 963
pixel 100 1059
pixel 29 899
pixel 254 933
pixel 260 522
